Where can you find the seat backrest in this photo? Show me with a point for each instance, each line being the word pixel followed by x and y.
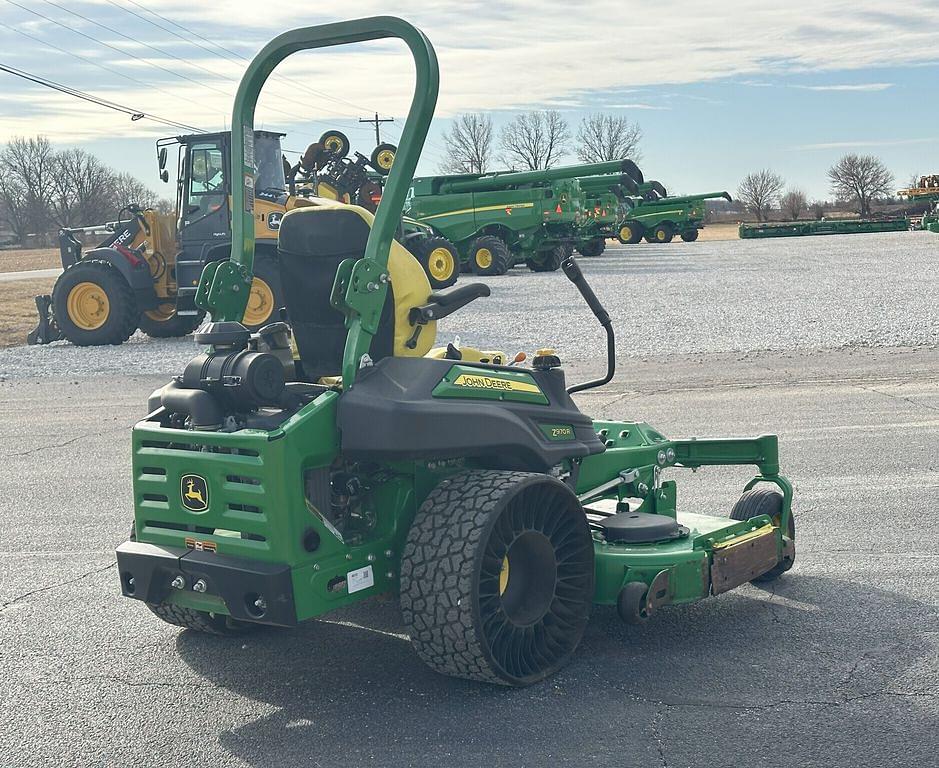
pixel 312 243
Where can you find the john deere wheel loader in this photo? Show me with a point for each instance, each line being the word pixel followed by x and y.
pixel 270 491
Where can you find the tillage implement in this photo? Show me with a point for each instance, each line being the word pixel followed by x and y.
pixel 271 487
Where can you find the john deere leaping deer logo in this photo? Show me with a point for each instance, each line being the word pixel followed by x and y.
pixel 194 493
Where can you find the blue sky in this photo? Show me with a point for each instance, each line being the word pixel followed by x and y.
pixel 719 88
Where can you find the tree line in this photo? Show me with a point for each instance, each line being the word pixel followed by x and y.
pixel 43 189
pixel 858 180
pixel 534 141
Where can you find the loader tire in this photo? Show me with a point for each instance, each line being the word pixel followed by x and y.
pixel 497 576
pixel 200 621
pixel 94 305
pixel 489 255
pixel 164 323
pixel 766 501
pixel 266 297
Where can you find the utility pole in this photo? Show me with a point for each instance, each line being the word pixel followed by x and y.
pixel 377 121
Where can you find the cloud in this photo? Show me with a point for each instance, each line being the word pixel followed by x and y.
pixel 634 106
pixel 519 54
pixel 865 144
pixel 847 87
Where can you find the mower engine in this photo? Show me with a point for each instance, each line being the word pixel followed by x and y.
pixel 224 388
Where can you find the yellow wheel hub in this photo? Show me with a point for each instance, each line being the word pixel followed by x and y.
pixel 260 303
pixel 385 159
pixel 504 576
pixel 88 306
pixel 441 264
pixel 626 233
pixel 162 313
pixel 660 236
pixel 333 144
pixel 483 258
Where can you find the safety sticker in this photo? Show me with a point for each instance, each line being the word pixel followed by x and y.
pixel 360 579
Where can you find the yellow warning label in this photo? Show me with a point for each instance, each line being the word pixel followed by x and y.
pixel 474 381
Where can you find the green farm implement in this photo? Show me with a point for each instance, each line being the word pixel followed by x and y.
pixel 823 227
pixel 499 219
pixel 606 206
pixel 272 487
pixel 658 219
pixel 925 193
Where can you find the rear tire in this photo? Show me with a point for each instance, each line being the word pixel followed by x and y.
pixel 689 235
pixel 592 247
pixel 497 577
pixel 201 621
pixel 630 232
pixel 489 255
pixel 164 323
pixel 550 261
pixel 440 261
pixel 766 501
pixel 94 305
pixel 662 233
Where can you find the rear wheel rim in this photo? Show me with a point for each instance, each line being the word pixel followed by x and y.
pixel 441 264
pixel 260 302
pixel 626 233
pixel 88 306
pixel 385 159
pixel 484 258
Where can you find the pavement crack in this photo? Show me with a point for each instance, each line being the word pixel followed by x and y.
pixel 898 397
pixel 54 446
pixel 46 588
pixel 657 737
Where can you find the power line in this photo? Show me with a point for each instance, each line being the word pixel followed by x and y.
pixel 287 78
pixel 134 113
pixel 98 65
pixel 377 121
pixel 169 55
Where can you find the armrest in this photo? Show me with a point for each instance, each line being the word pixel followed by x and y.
pixel 443 303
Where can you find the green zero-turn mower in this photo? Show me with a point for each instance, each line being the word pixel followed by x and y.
pixel 271 490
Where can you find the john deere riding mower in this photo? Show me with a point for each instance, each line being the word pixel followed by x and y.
pixel 270 490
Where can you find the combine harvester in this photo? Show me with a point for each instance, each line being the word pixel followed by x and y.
pixel 823 227
pixel 657 218
pixel 270 488
pixel 498 220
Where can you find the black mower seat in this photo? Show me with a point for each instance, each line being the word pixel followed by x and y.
pixel 312 242
pixel 641 528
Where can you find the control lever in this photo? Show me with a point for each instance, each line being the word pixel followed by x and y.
pixel 572 270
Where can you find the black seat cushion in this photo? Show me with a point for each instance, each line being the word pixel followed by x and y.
pixel 311 245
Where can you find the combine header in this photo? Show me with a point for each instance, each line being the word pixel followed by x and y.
pixel 808 228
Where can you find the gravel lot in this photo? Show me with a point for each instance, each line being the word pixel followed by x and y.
pixel 682 298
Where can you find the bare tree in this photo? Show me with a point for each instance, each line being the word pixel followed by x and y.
pixel 759 192
pixel 818 209
pixel 603 137
pixel 127 189
pixel 792 204
pixel 25 173
pixel 81 189
pixel 859 179
pixel 468 144
pixel 534 140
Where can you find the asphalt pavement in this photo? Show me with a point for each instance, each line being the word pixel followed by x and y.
pixel 833 343
pixel 835 665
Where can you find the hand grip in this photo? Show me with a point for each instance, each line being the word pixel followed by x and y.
pixel 572 270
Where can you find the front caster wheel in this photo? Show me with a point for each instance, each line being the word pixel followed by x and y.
pixel 632 605
pixel 497 577
pixel 768 501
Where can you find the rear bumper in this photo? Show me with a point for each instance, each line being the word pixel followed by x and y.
pixel 147 573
